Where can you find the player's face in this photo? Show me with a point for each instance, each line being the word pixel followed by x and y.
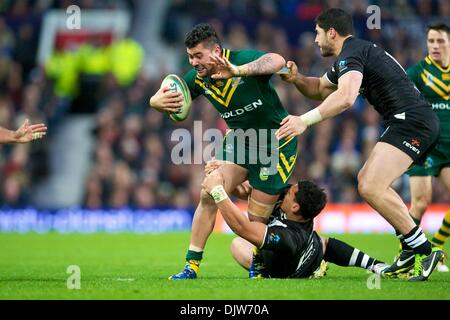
pixel 289 203
pixel 323 42
pixel 438 45
pixel 199 58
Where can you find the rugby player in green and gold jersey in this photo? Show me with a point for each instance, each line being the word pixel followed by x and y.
pixel 432 77
pixel 237 83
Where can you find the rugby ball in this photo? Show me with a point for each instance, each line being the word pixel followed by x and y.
pixel 177 84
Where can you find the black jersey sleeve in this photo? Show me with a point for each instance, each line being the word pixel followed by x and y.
pixel 350 59
pixel 332 75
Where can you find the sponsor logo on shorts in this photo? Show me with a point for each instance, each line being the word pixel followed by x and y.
pixel 413 145
pixel 415 142
pixel 428 163
pixel 264 174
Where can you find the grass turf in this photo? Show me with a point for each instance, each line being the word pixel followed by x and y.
pixel 131 266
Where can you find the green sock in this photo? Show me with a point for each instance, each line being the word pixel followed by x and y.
pixel 442 235
pixel 193 259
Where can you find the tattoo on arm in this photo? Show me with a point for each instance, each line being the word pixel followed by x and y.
pixel 263 65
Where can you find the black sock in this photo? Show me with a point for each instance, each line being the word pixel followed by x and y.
pixel 345 255
pixel 418 241
pixel 401 238
pixel 416 221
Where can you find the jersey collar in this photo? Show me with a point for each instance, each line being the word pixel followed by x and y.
pixel 431 61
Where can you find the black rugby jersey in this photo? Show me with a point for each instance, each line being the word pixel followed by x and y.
pixel 290 249
pixel 385 83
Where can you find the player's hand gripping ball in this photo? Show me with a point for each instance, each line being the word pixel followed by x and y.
pixel 177 84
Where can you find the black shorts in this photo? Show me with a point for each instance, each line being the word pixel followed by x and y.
pixel 414 132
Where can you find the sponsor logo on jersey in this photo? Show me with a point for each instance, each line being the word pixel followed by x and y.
pixel 342 65
pixel 248 108
pixel 237 81
pixel 274 238
pixel 400 116
pixel 440 106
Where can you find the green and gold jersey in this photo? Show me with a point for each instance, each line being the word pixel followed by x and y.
pixel 434 83
pixel 243 102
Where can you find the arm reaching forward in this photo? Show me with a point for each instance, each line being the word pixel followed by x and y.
pixel 337 102
pixel 269 63
pixel 311 87
pixel 25 133
pixel 253 232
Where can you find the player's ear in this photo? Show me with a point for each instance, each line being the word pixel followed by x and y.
pixel 217 50
pixel 331 33
pixel 295 208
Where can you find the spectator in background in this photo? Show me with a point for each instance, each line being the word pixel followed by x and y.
pixel 267 25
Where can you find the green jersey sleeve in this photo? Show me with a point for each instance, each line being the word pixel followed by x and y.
pixel 246 56
pixel 414 75
pixel 189 77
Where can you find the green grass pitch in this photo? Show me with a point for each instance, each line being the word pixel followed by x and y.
pixel 132 266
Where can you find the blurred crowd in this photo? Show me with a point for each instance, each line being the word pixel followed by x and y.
pixel 132 163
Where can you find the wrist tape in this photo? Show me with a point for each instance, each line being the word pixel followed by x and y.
pixel 218 194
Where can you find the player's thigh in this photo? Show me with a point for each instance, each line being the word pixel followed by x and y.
pixel 385 164
pixel 444 176
pixel 234 175
pixel 261 205
pixel 263 197
pixel 242 252
pixel 421 188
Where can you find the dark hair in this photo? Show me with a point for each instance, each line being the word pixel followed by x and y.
pixel 337 19
pixel 441 26
pixel 202 32
pixel 311 199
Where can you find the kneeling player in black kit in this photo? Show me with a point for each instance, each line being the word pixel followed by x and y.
pixel 412 128
pixel 290 248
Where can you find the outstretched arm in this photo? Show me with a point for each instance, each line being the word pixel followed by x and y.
pixel 269 63
pixel 253 232
pixel 337 102
pixel 25 133
pixel 311 87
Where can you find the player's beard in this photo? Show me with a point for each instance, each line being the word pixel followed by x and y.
pixel 326 50
pixel 203 71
